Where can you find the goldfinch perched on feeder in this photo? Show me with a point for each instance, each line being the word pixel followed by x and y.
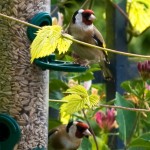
pixel 67 137
pixel 82 28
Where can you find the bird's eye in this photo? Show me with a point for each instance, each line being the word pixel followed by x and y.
pixel 81 129
pixel 86 15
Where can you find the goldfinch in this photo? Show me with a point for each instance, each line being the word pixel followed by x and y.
pixel 67 137
pixel 82 28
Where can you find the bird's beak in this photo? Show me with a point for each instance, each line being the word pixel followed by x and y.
pixel 92 17
pixel 87 132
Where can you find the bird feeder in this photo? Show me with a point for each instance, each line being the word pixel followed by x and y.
pixel 23 86
pixel 9 132
pixel 49 62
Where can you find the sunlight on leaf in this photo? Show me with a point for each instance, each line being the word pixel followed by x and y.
pixel 64 44
pixel 47 40
pixel 80 90
pixel 139 14
pixel 75 104
pixel 64 118
pixel 78 99
pixel 94 99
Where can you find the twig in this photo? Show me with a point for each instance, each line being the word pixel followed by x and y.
pixel 94 137
pixel 84 4
pixel 54 10
pixel 111 106
pixel 20 21
pixel 77 41
pixel 125 108
pixel 61 101
pixel 91 4
pixel 121 11
pixel 106 49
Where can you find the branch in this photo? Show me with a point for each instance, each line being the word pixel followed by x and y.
pixel 85 3
pixel 20 21
pixel 125 108
pixel 110 106
pixel 94 137
pixel 77 41
pixel 106 49
pixel 121 12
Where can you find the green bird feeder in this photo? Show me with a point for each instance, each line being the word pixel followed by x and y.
pixel 49 62
pixel 10 133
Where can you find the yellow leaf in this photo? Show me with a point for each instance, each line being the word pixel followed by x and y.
pixel 75 104
pixel 64 118
pixel 139 14
pixel 78 89
pixel 45 42
pixel 64 44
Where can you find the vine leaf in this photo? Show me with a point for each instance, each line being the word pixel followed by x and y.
pixel 139 14
pixel 142 142
pixel 78 89
pixel 47 40
pixel 78 99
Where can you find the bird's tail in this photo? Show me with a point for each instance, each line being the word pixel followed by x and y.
pixel 105 71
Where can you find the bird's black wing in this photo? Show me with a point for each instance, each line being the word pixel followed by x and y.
pixel 100 42
pixel 51 132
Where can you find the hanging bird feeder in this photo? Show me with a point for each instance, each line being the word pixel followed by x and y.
pixel 10 133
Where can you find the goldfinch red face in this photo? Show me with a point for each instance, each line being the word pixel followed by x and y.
pixel 85 17
pixel 82 129
pixel 78 129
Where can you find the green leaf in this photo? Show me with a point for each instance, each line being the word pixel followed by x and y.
pixel 56 85
pixel 125 118
pixel 138 148
pixel 134 86
pixel 84 76
pixel 85 145
pixel 142 142
pixel 116 1
pixel 147 95
pixel 75 103
pixel 139 14
pixel 53 123
pixel 102 145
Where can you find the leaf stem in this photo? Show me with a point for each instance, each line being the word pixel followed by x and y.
pixel 61 101
pixel 125 108
pixel 84 4
pixel 121 12
pixel 110 106
pixel 91 4
pixel 93 134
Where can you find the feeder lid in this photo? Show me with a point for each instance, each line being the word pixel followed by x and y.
pixel 50 63
pixel 40 19
pixel 10 133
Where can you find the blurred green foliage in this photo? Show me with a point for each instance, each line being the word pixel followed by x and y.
pixel 132 124
pixel 139 44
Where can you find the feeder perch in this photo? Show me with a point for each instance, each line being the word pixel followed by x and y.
pixel 49 62
pixel 9 132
